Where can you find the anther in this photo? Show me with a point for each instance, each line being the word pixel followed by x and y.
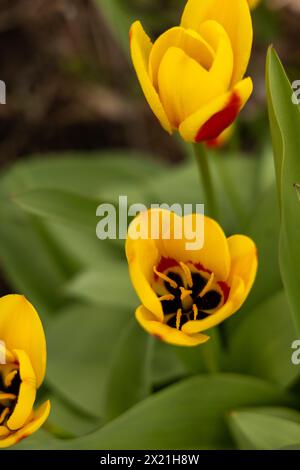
pixel 187 273
pixel 208 286
pixel 165 278
pixel 178 318
pixel 166 297
pixel 195 310
pixel 9 378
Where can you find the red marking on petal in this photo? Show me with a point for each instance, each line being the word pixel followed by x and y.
pixel 166 263
pixel 225 289
pixel 200 267
pixel 220 121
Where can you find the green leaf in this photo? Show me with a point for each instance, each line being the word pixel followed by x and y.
pixel 265 429
pixel 109 287
pixel 80 342
pixel 261 344
pixel 188 415
pixel 129 373
pixel 66 421
pixel 92 175
pixel 60 206
pixel 285 129
pixel 205 357
pixel 29 265
pixel 167 367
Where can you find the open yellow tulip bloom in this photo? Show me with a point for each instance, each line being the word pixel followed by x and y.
pixel 186 292
pixel 192 76
pixel 23 347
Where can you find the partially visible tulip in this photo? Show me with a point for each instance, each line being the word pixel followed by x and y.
pixel 192 76
pixel 23 348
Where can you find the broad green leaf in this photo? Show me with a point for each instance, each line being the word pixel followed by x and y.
pixel 285 127
pixel 66 421
pixel 167 366
pixel 60 206
pixel 261 344
pixel 90 175
pixel 204 358
pixel 109 286
pixel 129 372
pixel 265 429
pixel 81 341
pixel 188 415
pixel 29 265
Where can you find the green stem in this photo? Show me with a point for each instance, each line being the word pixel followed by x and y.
pixel 206 179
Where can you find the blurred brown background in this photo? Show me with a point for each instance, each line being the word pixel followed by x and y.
pixel 70 83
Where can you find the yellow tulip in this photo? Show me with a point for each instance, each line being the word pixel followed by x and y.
pixel 22 371
pixel 185 292
pixel 192 76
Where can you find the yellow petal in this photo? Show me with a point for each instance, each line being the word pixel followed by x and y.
pixel 27 392
pixel 140 46
pixel 187 40
pixel 195 88
pixel 21 328
pixel 243 254
pixel 34 423
pixel 235 19
pixel 164 332
pixel 142 256
pixel 222 66
pixel 213 256
pixel 211 120
pixel 236 297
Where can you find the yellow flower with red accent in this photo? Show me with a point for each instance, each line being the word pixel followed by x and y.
pixel 192 76
pixel 22 369
pixel 185 292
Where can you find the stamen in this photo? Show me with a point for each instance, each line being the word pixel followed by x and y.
pixel 4 414
pixel 207 287
pixel 166 297
pixel 187 273
pixel 184 293
pixel 178 318
pixel 195 310
pixel 165 278
pixel 9 378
